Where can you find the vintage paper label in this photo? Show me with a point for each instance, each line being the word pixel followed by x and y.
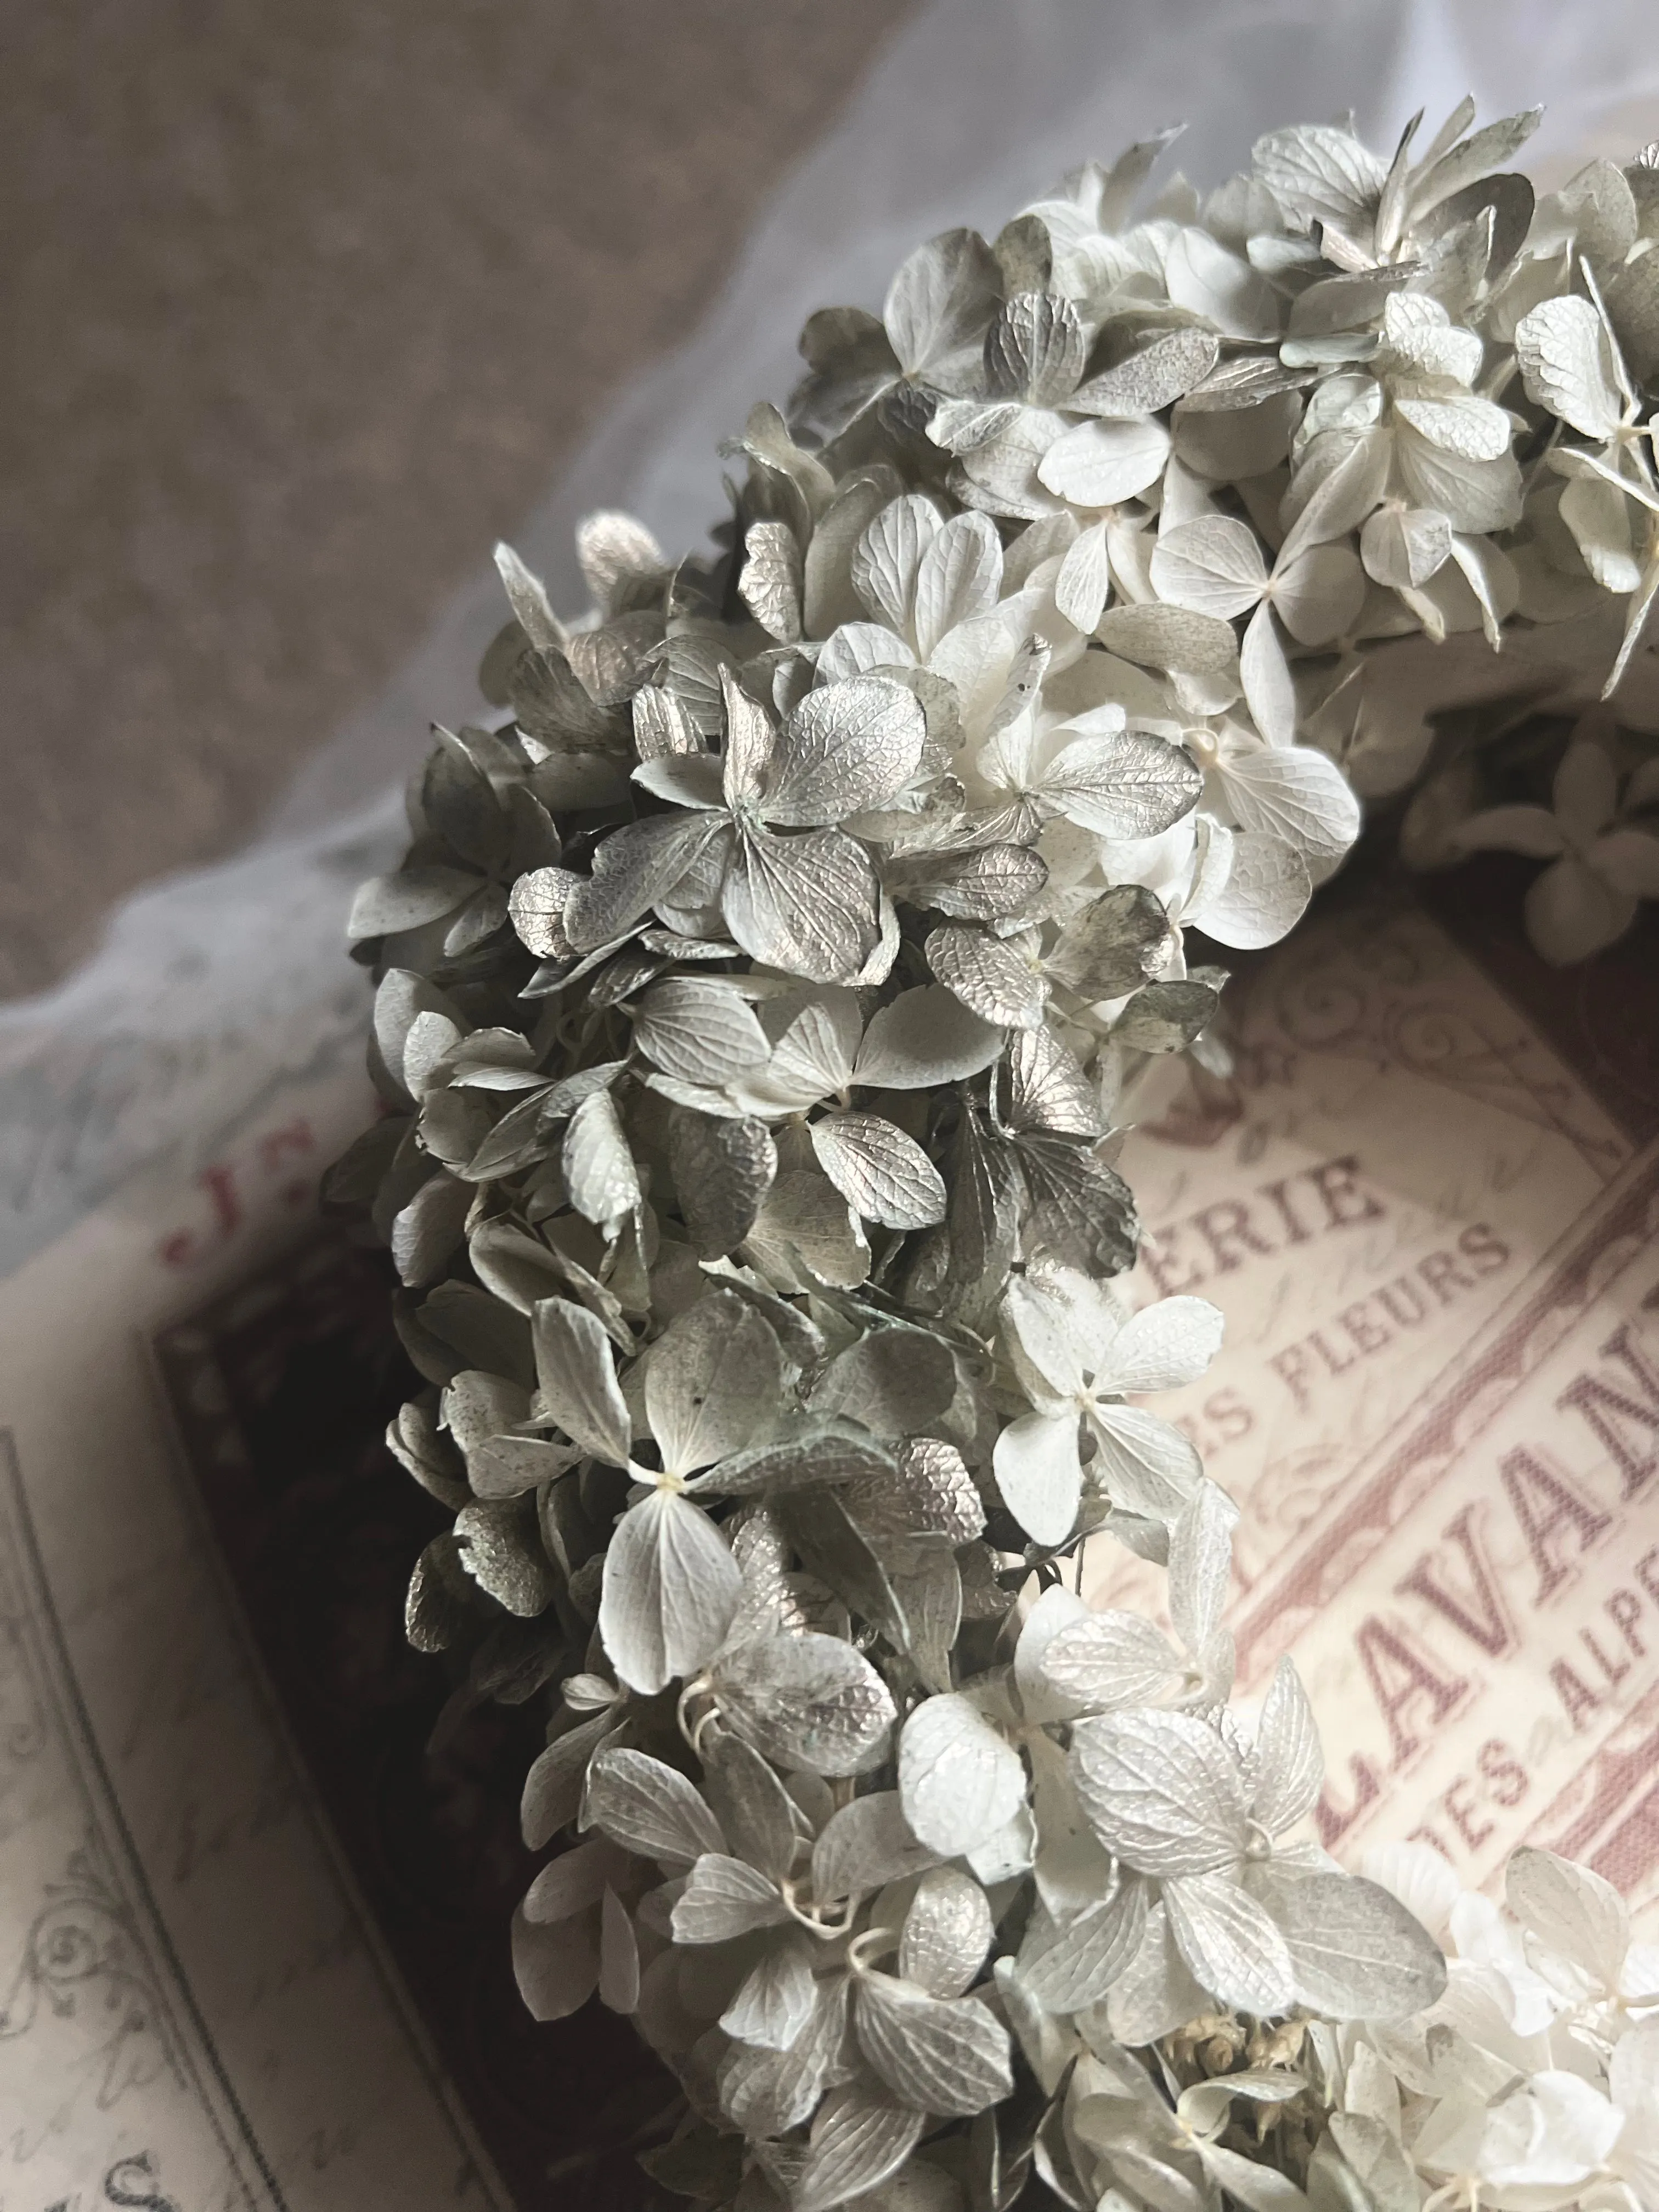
pixel 1438 1404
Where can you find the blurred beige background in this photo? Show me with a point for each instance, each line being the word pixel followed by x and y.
pixel 306 299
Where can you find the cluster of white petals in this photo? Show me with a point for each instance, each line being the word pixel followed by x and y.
pixel 758 1011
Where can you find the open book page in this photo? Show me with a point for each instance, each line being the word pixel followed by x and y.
pixel 1438 1404
pixel 195 2010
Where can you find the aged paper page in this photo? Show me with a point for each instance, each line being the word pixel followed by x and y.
pixel 1438 1404
pixel 194 2011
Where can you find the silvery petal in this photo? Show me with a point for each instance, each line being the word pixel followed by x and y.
pixel 808 905
pixel 1319 172
pixel 477 1406
pixel 925 1037
pixel 1570 1909
pixel 1202 275
pixel 699 1029
pixel 1112 945
pixel 753 1807
pixel 831 599
pixel 862 648
pixel 806 1701
pixel 554 710
pixel 1155 1994
pixel 578 1878
pixel 959 1780
pixel 1100 463
pixel 894 1380
pixel 1294 794
pixel 1161 1791
pixel 634 867
pixel 426 1232
pixel 1084 582
pixel 1036 349
pixel 1078 1211
pixel 750 742
pixel 1167 1344
pixel 1356 1952
pixel 1108 1660
pixel 766 2093
pixel 1077 1964
pixel 777 1997
pixel 990 976
pixel 613 660
pixel 499 1545
pixel 927 1586
pixel 684 779
pixel 619 1956
pixel 813 1058
pixel 722 1169
pixel 887 559
pixel 864 1846
pixel 599 1173
pixel 1318 596
pixel 1166 1017
pixel 771 584
pixel 577 1378
pixel 808 1452
pixel 1213 565
pixel 1152 377
pixel 835 1550
pixel 1007 1854
pixel 1129 785
pixel 860 2139
pixel 536 905
pixel 884 1174
pixel 807 1236
pixel 553 1788
pixel 957 578
pixel 1474 429
pixel 1264 896
pixel 1048 1088
pixel 1175 638
pixel 1476 495
pixel 1234 1949
pixel 670 1589
pixel 407 899
pixel 713 1381
pixel 1200 1564
pixel 650 1808
pixel 1147 1464
pixel 947 1933
pixel 725 1898
pixel 941 300
pixel 1401 546
pixel 556 1968
pixel 527 596
pixel 1289 1759
pixel 662 728
pixel 1056 1607
pixel 940 2056
pixel 846 748
pixel 1342 498
pixel 939 1496
pixel 614 549
pixel 1040 1476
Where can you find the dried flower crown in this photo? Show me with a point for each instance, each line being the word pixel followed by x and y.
pixel 755 1007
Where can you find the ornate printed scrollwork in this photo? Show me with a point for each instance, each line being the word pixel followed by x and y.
pixel 83 1959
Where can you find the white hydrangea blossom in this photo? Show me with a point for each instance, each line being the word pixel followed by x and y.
pixel 770 976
